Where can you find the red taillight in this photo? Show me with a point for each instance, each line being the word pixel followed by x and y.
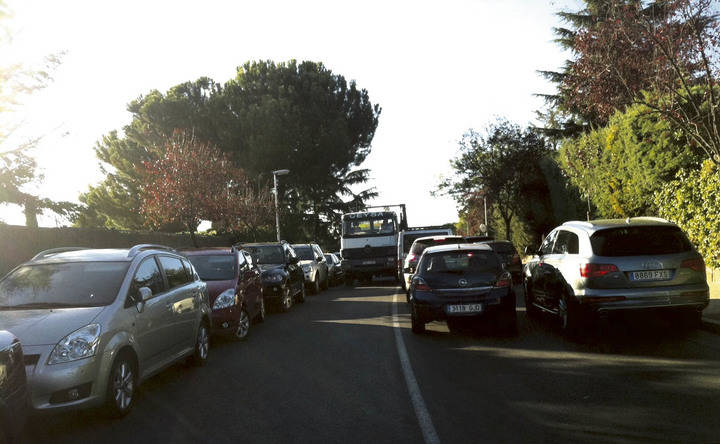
pixel 596 270
pixel 412 257
pixel 504 281
pixel 696 264
pixel 421 285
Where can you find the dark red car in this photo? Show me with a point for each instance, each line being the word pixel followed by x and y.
pixel 235 288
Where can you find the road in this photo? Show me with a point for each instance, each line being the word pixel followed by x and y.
pixel 331 370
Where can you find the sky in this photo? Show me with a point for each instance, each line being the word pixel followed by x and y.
pixel 437 69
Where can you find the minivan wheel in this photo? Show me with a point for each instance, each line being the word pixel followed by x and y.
pixel 243 327
pixel 202 346
pixel 121 387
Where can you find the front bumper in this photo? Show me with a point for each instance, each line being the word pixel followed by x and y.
pixel 695 296
pixel 272 292
pixel 225 320
pixel 48 383
pixel 432 306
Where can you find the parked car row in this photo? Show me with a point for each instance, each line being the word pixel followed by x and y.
pixel 583 272
pixel 89 325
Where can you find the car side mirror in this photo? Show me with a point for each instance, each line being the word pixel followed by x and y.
pixel 144 293
pixel 318 259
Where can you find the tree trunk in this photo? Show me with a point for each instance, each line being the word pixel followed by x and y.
pixel 192 236
pixel 31 211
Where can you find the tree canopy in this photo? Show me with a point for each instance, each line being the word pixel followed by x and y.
pixel 297 116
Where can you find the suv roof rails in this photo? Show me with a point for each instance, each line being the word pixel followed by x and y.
pixel 140 247
pixel 579 222
pixel 648 218
pixel 45 253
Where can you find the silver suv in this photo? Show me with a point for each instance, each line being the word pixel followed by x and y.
pixel 95 323
pixel 585 269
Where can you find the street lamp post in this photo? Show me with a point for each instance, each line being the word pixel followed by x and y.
pixel 277 173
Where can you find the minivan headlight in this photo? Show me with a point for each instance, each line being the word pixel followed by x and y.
pixel 80 344
pixel 225 300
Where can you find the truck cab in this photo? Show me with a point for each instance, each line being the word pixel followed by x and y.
pixel 369 244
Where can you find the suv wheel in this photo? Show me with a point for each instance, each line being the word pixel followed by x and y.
pixel 286 301
pixel 315 285
pixel 243 327
pixel 121 387
pixel 202 345
pixel 261 312
pixel 569 319
pixel 418 325
pixel 301 295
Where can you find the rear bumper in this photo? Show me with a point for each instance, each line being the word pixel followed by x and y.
pixel 696 296
pixel 433 307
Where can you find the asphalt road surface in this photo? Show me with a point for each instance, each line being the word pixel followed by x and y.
pixel 343 368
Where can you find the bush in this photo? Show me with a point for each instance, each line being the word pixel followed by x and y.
pixel 692 201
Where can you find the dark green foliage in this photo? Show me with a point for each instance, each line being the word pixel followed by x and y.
pixel 298 116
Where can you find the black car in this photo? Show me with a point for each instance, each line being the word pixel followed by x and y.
pixel 509 256
pixel 335 271
pixel 282 277
pixel 461 283
pixel 13 388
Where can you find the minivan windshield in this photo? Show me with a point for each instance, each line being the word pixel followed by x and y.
pixel 69 284
pixel 215 267
pixel 640 241
pixel 266 254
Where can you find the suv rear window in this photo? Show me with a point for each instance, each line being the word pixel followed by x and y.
pixel 420 246
pixel 70 284
pixel 640 241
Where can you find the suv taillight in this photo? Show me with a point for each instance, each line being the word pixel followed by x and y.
pixel 596 270
pixel 696 264
pixel 411 257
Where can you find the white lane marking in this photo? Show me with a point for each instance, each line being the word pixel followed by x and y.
pixel 421 411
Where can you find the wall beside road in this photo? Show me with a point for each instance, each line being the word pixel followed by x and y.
pixel 19 243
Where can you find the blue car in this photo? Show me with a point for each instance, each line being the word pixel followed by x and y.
pixel 462 283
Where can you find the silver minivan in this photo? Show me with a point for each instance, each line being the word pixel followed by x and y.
pixel 587 269
pixel 94 323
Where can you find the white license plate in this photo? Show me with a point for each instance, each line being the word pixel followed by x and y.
pixel 652 275
pixel 368 262
pixel 464 308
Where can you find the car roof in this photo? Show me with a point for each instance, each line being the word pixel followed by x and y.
pixel 439 236
pixel 262 244
pixel 203 251
pixel 457 247
pixel 89 255
pixel 603 224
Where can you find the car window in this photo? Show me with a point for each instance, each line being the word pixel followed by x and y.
pixel 329 258
pixel 459 262
pixel 147 275
pixel 640 241
pixel 561 243
pixel 267 254
pixel 420 245
pixel 547 245
pixel 174 271
pixel 189 270
pixel 73 284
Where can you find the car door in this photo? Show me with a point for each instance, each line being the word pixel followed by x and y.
pixel 151 321
pixel 541 270
pixel 553 263
pixel 254 282
pixel 181 301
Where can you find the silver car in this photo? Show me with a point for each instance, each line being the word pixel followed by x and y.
pixel 588 269
pixel 96 323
